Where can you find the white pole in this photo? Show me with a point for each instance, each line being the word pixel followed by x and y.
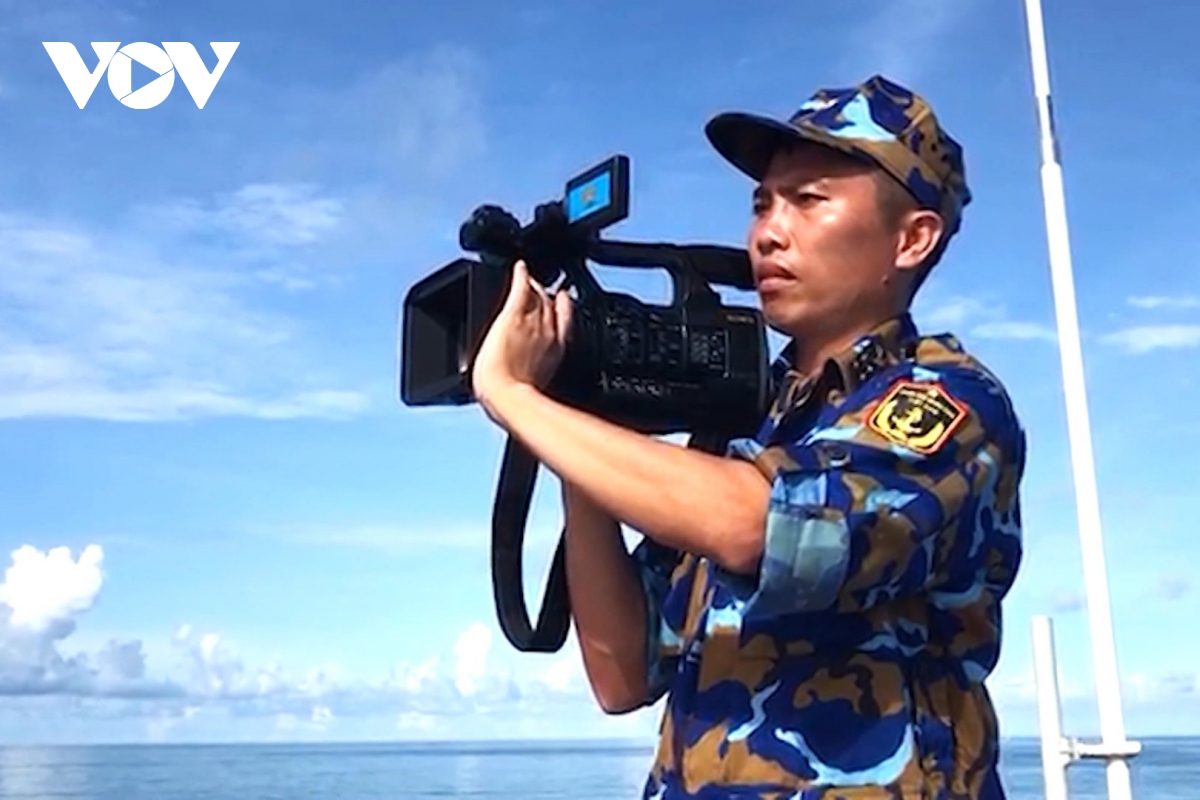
pixel 1045 672
pixel 1104 658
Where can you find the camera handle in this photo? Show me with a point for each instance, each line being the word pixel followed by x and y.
pixel 518 473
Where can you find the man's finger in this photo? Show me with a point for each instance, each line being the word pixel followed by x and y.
pixel 547 311
pixel 518 291
pixel 563 308
pixel 538 289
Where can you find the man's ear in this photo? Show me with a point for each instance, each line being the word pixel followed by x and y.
pixel 920 232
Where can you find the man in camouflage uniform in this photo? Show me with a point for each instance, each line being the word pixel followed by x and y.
pixel 822 606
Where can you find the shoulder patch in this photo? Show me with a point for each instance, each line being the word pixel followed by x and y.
pixel 919 416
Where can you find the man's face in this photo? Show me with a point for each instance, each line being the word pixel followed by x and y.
pixel 819 246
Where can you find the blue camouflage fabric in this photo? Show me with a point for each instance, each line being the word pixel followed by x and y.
pixel 852 664
pixel 879 121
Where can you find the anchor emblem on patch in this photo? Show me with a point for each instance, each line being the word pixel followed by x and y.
pixel 919 416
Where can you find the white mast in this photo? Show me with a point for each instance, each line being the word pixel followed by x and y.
pixel 1114 748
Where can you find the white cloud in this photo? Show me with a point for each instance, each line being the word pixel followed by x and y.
pixel 41 599
pixel 259 215
pixel 1162 703
pixel 1173 587
pixel 1143 687
pixel 418 120
pixel 560 675
pixel 160 723
pixel 1068 602
pixel 41 589
pixel 1016 688
pixel 412 720
pixel 473 690
pixel 104 328
pixel 952 313
pixel 470 657
pixel 439 121
pixel 321 716
pixel 905 40
pixel 44 594
pixel 1147 338
pixel 1151 302
pixel 215 671
pixel 169 312
pixel 972 318
pixel 1014 330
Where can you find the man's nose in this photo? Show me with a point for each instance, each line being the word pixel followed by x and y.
pixel 767 234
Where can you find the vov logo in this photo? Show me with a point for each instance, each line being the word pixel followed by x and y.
pixel 117 61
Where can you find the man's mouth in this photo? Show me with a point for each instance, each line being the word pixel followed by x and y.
pixel 771 275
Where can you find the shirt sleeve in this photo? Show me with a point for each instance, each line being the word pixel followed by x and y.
pixel 657 566
pixel 912 488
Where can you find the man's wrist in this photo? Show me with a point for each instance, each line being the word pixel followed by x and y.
pixel 500 401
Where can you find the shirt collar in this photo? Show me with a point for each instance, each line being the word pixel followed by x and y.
pixel 846 370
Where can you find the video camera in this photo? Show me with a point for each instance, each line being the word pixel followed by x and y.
pixel 696 366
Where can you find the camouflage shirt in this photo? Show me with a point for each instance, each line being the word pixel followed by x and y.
pixel 852 664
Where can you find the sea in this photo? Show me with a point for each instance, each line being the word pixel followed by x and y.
pixel 1167 769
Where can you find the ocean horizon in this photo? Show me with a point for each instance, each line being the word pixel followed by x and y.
pixel 1167 769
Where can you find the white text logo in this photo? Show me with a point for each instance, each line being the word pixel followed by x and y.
pixel 167 60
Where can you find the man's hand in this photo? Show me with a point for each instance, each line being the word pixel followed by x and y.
pixel 525 343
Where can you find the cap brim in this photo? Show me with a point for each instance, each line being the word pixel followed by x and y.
pixel 748 141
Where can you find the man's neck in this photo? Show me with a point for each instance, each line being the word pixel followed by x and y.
pixel 812 352
pixel 808 357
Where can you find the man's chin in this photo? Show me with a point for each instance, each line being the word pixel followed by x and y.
pixel 787 318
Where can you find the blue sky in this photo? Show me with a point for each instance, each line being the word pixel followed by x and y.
pixel 200 309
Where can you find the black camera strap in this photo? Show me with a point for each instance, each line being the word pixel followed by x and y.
pixel 518 473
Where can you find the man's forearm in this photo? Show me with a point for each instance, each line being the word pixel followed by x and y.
pixel 682 498
pixel 608 604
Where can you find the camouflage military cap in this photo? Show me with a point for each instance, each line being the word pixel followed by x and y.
pixel 878 120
